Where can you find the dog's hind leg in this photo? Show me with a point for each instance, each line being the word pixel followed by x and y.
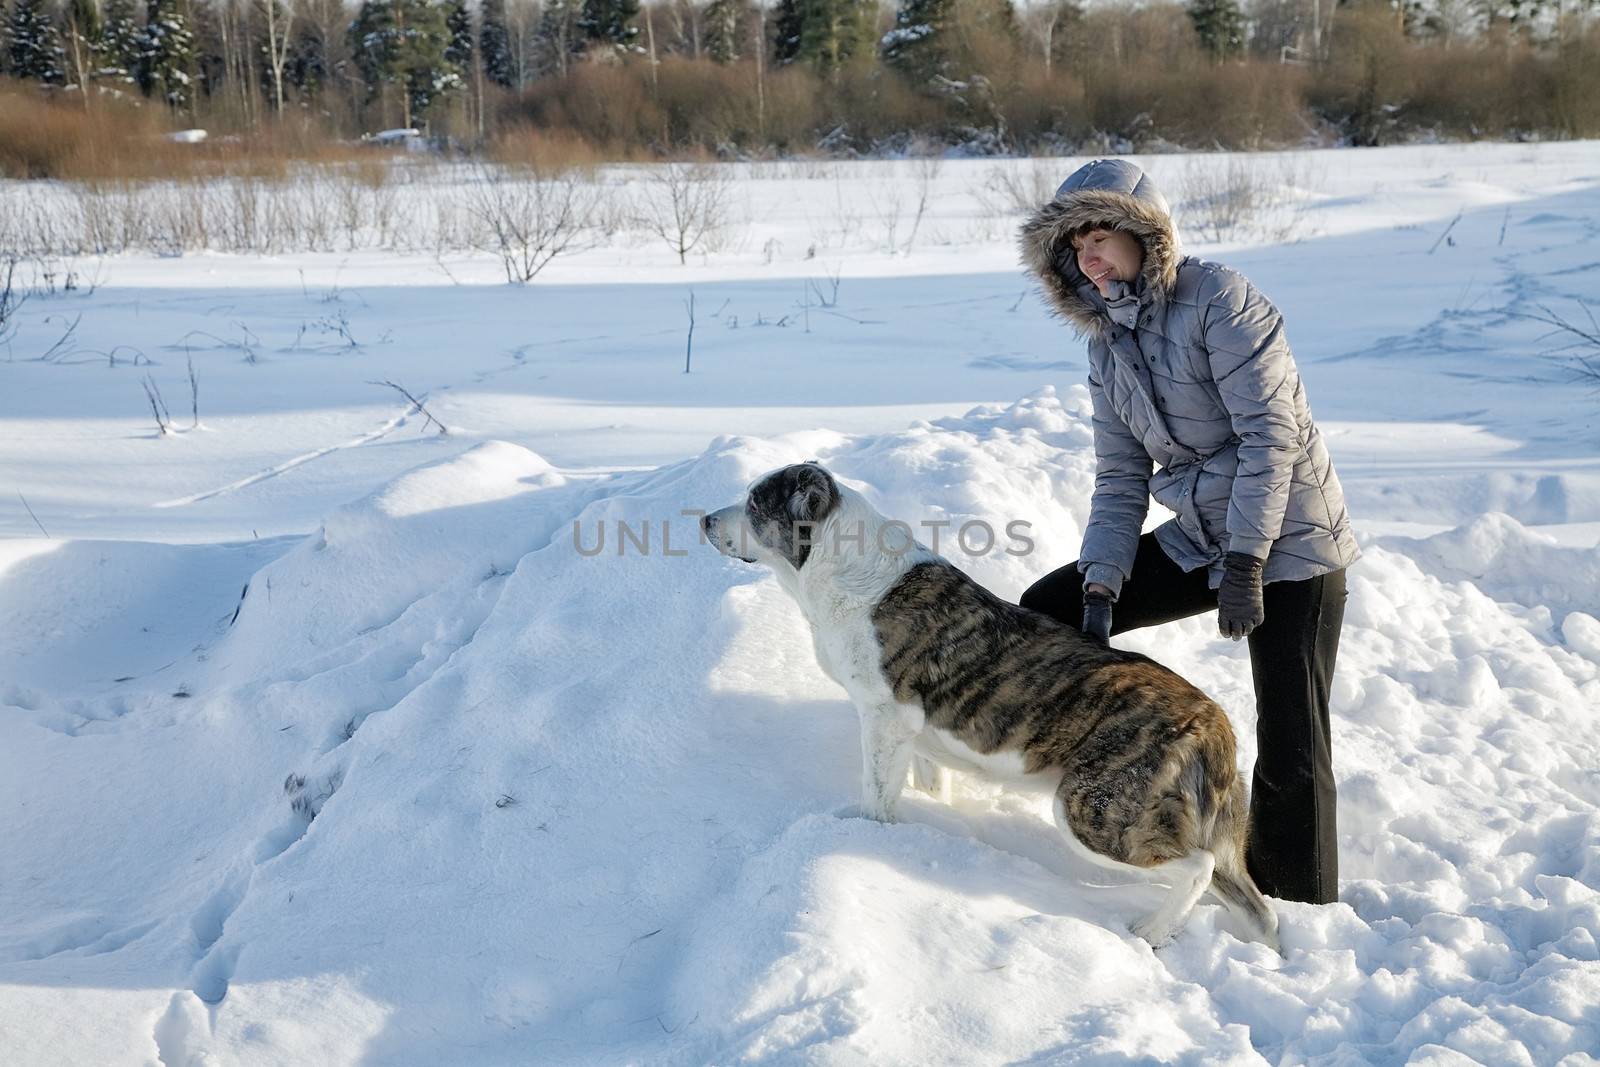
pixel 930 777
pixel 1189 877
pixel 1238 892
pixel 1232 883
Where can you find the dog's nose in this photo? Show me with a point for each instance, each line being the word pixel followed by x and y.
pixel 706 523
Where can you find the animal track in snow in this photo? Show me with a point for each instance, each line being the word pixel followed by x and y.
pixel 88 936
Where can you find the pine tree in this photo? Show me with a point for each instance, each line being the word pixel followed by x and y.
pixel 458 52
pixel 786 32
pixel 1220 26
pixel 914 47
pixel 307 68
pixel 120 43
pixel 166 54
pixel 33 47
pixel 494 44
pixel 722 30
pixel 401 44
pixel 832 32
pixel 558 38
pixel 222 60
pixel 938 37
pixel 608 22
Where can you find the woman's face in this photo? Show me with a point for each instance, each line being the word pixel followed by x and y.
pixel 1108 255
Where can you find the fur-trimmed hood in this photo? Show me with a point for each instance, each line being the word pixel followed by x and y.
pixel 1115 194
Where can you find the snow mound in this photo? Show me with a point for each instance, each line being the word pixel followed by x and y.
pixel 455 786
pixel 1513 564
pixel 373 558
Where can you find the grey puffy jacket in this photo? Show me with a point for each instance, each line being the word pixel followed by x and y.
pixel 1204 388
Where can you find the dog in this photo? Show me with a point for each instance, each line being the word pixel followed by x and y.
pixel 1139 762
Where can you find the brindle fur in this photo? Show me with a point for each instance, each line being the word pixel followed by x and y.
pixel 1146 759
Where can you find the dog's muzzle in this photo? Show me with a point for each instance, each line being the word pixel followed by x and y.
pixel 724 529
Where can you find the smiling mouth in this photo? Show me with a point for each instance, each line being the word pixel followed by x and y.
pixel 1102 276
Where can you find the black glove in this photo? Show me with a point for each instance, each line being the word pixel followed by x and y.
pixel 1239 606
pixel 1097 617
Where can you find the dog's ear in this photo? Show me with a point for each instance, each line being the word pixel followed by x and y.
pixel 812 493
pixel 788 505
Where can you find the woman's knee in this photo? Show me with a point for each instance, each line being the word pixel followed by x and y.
pixel 1058 594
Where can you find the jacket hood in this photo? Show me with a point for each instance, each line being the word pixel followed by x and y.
pixel 1110 193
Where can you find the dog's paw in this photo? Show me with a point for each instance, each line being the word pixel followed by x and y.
pixel 1158 934
pixel 860 811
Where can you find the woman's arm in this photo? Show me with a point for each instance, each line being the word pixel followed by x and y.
pixel 1256 375
pixel 1121 495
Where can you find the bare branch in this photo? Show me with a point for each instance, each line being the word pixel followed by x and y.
pixel 688 348
pixel 194 398
pixel 59 349
pixel 416 406
pixel 31 515
pixel 152 393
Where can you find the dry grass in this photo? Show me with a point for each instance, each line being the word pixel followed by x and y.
pixel 526 146
pixel 44 137
pixel 53 135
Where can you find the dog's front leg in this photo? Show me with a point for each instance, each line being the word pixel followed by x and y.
pixel 888 733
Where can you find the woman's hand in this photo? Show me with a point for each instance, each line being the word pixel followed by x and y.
pixel 1239 605
pixel 1097 612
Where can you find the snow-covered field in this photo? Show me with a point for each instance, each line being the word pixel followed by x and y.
pixel 326 739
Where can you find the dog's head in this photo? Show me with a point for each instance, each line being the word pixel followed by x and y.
pixel 778 519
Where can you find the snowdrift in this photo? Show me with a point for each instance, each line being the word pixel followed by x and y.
pixel 449 784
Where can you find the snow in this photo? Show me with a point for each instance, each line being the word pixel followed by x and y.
pixel 404 135
pixel 323 740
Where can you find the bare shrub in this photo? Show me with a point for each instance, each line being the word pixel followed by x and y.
pixel 11 300
pixel 842 222
pixel 1363 86
pixel 179 217
pixel 686 204
pixel 886 209
pixel 36 220
pixel 112 214
pixel 1019 187
pixel 608 106
pixel 896 203
pixel 708 107
pixel 926 170
pixel 1244 197
pixel 531 215
pixel 1581 339
pixel 1230 105
pixel 1043 107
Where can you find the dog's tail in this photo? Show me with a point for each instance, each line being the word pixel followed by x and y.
pixel 1230 881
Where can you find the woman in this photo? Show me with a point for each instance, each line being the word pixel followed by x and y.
pixel 1197 402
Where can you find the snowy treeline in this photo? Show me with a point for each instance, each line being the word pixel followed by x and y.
pixel 842 75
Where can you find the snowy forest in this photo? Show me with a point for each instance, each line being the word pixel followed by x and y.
pixel 621 79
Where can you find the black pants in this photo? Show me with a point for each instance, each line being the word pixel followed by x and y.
pixel 1293 850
